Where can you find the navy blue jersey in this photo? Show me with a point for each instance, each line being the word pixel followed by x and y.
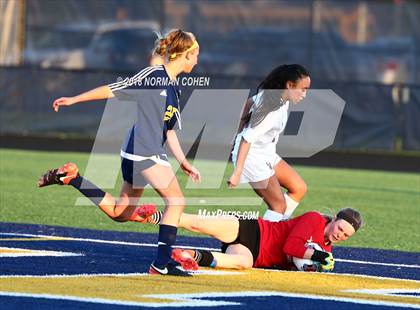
pixel 158 110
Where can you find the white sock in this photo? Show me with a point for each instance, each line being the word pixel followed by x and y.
pixel 291 205
pixel 273 216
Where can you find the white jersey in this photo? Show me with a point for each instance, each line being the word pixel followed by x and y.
pixel 263 138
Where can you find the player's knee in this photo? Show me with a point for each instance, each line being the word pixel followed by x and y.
pixel 303 188
pixel 299 190
pixel 120 218
pixel 107 201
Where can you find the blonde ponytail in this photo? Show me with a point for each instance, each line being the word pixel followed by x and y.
pixel 174 44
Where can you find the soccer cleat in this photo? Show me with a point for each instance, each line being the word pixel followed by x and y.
pixel 169 270
pixel 61 176
pixel 185 258
pixel 145 211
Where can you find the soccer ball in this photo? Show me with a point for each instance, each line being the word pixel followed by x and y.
pixel 303 264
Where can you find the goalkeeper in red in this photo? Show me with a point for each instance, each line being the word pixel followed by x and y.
pixel 263 244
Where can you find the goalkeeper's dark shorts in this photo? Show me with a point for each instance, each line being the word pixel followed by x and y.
pixel 248 235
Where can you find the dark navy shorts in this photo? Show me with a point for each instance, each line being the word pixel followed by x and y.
pixel 131 171
pixel 248 235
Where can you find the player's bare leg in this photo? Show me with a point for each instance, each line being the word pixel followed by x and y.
pixel 295 185
pixel 163 180
pixel 124 209
pixel 270 191
pixel 224 229
pixel 291 180
pixel 237 256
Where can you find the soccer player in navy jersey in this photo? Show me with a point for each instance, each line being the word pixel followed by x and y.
pixel 265 244
pixel 144 160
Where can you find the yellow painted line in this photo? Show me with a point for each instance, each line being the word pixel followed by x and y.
pixel 142 288
pixel 19 252
pixel 14 250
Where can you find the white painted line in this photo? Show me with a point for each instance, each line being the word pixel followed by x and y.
pixel 375 277
pixel 375 263
pixel 112 242
pixel 389 292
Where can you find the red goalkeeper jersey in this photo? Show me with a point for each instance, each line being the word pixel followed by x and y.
pixel 278 240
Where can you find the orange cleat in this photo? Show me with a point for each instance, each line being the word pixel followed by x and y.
pixel 185 258
pixel 143 213
pixel 61 176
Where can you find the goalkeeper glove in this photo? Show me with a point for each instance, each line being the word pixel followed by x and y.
pixel 326 259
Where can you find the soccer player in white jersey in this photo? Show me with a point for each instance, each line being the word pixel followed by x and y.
pixel 143 154
pixel 254 156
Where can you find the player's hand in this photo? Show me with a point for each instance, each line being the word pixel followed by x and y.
pixel 192 172
pixel 63 101
pixel 328 264
pixel 325 258
pixel 233 181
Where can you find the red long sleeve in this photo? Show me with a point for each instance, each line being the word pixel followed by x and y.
pixel 310 227
pixel 288 238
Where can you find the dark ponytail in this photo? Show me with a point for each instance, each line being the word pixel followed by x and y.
pixel 278 78
pixel 272 87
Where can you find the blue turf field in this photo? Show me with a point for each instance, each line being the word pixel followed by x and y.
pixel 108 252
pixel 134 259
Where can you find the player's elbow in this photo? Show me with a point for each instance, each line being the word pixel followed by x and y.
pixel 170 134
pixel 288 249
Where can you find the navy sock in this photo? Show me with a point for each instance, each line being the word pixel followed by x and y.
pixel 204 258
pixel 89 189
pixel 167 237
